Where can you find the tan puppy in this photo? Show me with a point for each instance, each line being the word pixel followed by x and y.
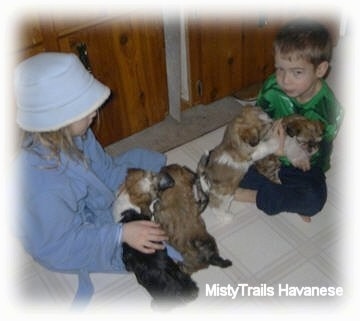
pixel 140 190
pixel 302 140
pixel 178 212
pixel 221 170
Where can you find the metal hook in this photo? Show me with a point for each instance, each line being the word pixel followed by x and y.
pixel 82 52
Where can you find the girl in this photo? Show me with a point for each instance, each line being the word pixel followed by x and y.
pixel 67 180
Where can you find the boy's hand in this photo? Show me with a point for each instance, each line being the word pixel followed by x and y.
pixel 280 133
pixel 144 236
pixel 303 164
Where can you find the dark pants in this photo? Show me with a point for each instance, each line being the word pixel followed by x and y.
pixel 300 192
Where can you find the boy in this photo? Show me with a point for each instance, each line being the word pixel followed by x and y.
pixel 302 54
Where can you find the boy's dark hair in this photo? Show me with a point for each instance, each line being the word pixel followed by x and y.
pixel 306 39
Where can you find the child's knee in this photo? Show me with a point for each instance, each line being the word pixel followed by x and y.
pixel 313 202
pixel 307 203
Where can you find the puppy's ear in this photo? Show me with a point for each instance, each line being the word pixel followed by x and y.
pixel 250 136
pixel 190 171
pixel 243 134
pixel 131 171
pixel 233 133
pixel 320 127
pixel 204 161
pixel 165 181
pixel 293 128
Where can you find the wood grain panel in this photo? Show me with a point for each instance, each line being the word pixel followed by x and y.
pixel 215 58
pixel 258 55
pixel 128 56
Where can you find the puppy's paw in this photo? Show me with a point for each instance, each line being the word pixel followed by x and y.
pixel 222 215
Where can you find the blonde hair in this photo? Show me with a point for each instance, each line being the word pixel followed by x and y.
pixel 56 142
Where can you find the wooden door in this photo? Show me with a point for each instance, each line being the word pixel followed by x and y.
pixel 214 58
pixel 258 56
pixel 227 55
pixel 30 39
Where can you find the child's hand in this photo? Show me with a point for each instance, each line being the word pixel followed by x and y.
pixel 280 133
pixel 144 236
pixel 303 164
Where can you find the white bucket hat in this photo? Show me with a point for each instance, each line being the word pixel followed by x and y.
pixel 53 90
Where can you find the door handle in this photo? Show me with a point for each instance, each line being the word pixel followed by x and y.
pixel 81 49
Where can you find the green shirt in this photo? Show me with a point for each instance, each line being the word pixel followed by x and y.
pixel 323 106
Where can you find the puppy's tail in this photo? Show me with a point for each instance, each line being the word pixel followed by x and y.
pixel 208 251
pixel 203 162
pixel 204 181
pixel 219 261
pixel 202 198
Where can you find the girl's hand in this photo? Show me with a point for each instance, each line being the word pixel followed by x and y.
pixel 280 133
pixel 144 236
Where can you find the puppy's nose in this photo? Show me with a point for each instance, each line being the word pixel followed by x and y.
pixel 312 146
pixel 165 181
pixel 254 141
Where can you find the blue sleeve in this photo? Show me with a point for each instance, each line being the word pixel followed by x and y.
pixel 112 170
pixel 55 235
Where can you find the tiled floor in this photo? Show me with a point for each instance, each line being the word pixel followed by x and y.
pixel 170 133
pixel 266 251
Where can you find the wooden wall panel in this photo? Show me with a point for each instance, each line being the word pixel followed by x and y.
pixel 127 53
pixel 215 58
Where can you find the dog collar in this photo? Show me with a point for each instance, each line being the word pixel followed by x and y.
pixel 152 209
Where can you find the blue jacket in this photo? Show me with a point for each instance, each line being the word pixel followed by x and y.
pixel 65 219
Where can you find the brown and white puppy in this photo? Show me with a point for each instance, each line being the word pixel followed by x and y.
pixel 157 272
pixel 302 140
pixel 141 188
pixel 178 212
pixel 269 166
pixel 222 169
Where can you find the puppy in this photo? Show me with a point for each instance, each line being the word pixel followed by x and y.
pixel 222 169
pixel 302 140
pixel 178 212
pixel 140 190
pixel 269 167
pixel 157 273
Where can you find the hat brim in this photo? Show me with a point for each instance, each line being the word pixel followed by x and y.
pixel 54 119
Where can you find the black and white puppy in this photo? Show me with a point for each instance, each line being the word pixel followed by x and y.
pixel 156 272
